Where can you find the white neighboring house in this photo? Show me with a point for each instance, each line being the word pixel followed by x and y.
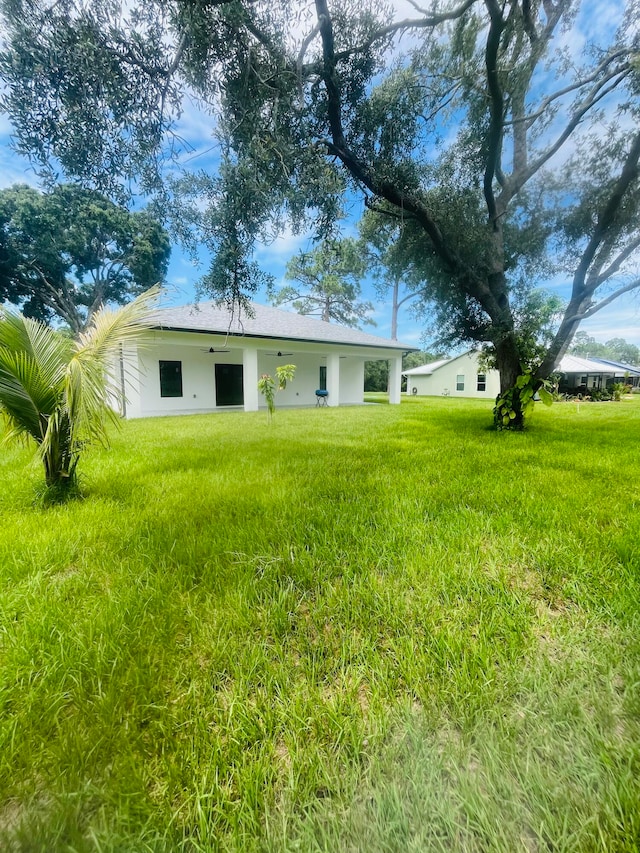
pixel 459 376
pixel 200 358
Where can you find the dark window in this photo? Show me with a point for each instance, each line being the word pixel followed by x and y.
pixel 460 382
pixel 322 386
pixel 171 379
pixel 482 382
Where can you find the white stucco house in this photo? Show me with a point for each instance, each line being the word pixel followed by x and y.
pixel 459 376
pixel 200 358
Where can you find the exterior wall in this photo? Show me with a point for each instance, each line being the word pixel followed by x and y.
pixel 351 381
pixel 302 391
pixel 142 371
pixel 442 382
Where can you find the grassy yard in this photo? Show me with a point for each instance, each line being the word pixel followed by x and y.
pixel 383 628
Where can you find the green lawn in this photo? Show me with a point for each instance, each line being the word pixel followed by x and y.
pixel 384 628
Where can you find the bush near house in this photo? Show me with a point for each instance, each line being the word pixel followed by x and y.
pixel 614 392
pixel 356 630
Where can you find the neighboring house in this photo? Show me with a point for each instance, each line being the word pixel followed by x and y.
pixel 579 375
pixel 459 376
pixel 627 373
pixel 200 358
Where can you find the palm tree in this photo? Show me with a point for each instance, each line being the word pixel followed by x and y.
pixel 59 391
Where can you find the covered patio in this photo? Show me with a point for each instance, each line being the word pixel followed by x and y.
pixel 202 359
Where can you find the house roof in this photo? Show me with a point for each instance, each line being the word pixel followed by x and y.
pixel 568 364
pixel 619 366
pixel 266 322
pixel 576 364
pixel 428 369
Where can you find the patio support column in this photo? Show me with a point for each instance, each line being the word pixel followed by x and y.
pixel 395 379
pixel 250 379
pixel 333 379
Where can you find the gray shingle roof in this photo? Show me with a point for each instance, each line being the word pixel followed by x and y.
pixel 577 364
pixel 620 366
pixel 267 322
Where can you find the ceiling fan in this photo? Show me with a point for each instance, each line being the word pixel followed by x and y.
pixel 216 349
pixel 279 354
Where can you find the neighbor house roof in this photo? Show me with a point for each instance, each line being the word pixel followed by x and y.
pixel 576 364
pixel 428 369
pixel 266 322
pixel 620 366
pixel 568 364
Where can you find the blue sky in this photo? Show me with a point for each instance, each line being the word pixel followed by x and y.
pixel 620 319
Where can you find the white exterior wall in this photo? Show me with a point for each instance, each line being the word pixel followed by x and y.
pixel 198 371
pixel 198 379
pixel 302 391
pixel 351 380
pixel 443 380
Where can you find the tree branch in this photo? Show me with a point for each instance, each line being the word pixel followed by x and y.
pixel 381 188
pixel 371 205
pixel 594 308
pixel 607 214
pixel 494 137
pixel 426 22
pixel 530 118
pixel 596 95
pixel 615 265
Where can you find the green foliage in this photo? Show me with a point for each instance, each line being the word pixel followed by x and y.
pixel 228 226
pixel 71 250
pixel 330 284
pixel 507 164
pixel 618 389
pixel 268 386
pixel 59 392
pixel 101 76
pixel 616 349
pixel 614 392
pixel 376 375
pixel 513 407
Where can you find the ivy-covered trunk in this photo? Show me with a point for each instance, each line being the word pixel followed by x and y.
pixel 518 388
pixel 516 397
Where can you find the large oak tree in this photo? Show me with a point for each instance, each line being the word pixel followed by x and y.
pixel 507 147
pixel 69 252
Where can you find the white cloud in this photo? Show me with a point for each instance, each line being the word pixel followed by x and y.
pixel 281 249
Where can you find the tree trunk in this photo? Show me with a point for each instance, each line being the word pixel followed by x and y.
pixel 509 412
pixel 60 461
pixel 394 311
pixel 508 363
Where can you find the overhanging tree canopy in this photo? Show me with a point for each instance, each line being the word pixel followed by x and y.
pixel 511 153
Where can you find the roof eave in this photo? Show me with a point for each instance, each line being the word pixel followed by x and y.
pixel 254 335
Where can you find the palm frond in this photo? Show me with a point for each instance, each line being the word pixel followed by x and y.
pixel 56 390
pixel 17 400
pixel 110 328
pixel 32 366
pixel 90 375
